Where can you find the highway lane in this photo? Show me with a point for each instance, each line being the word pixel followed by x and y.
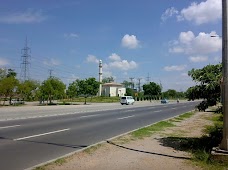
pixel 28 142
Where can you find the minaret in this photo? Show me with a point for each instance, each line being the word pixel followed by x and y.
pixel 100 77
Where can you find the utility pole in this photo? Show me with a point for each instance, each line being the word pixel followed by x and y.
pixel 224 143
pixel 139 85
pixel 50 73
pixel 148 78
pixel 132 83
pixel 25 61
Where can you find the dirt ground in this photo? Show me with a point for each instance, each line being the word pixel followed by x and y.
pixel 155 152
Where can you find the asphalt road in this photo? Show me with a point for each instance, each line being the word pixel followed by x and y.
pixel 32 135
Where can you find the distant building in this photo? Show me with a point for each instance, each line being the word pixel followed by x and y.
pixel 113 89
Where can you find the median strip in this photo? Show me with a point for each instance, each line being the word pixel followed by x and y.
pixel 5 127
pixel 42 134
pixel 126 117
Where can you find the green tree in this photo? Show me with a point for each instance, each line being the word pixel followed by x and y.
pixel 129 92
pixel 73 88
pixel 52 88
pixel 107 79
pixel 127 84
pixel 208 83
pixel 88 87
pixel 152 89
pixel 8 87
pixel 8 84
pixel 27 89
pixel 170 93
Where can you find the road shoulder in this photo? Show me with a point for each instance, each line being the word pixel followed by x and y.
pixel 154 152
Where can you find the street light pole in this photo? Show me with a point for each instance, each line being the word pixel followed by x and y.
pixel 224 143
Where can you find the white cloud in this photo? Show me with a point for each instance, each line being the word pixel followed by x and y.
pixel 204 12
pixel 169 13
pixel 186 37
pixel 118 63
pixel 3 62
pixel 123 65
pixel 92 59
pixel 115 63
pixel 203 43
pixel 29 16
pixel 114 57
pixel 198 59
pixel 130 41
pixel 51 62
pixel 71 35
pixel 175 68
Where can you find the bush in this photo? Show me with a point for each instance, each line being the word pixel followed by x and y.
pixel 202 106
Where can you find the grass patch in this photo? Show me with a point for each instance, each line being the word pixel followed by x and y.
pixel 186 115
pixel 92 149
pixel 60 161
pixel 148 131
pixel 40 168
pixel 123 139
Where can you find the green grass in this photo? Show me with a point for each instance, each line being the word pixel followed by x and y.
pixel 92 149
pixel 201 147
pixel 148 131
pixel 60 161
pixel 186 115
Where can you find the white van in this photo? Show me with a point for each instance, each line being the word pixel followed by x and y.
pixel 127 100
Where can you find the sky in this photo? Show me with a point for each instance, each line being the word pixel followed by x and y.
pixel 148 40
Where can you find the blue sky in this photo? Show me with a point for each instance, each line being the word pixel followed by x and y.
pixel 159 41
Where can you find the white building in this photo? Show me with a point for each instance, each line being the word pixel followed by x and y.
pixel 113 89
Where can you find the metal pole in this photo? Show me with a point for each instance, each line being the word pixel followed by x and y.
pixel 224 143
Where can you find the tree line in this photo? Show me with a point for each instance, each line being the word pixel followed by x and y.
pixel 208 82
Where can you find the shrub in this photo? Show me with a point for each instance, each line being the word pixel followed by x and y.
pixel 202 106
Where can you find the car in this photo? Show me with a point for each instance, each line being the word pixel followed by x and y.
pixel 127 100
pixel 163 101
pixel 17 101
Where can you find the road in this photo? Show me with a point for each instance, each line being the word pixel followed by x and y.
pixel 32 135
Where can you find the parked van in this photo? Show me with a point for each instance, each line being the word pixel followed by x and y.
pixel 127 100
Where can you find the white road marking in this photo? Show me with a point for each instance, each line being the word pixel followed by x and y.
pixel 126 117
pixel 5 127
pixel 42 134
pixel 158 111
pixel 128 110
pixel 89 116
pixel 173 108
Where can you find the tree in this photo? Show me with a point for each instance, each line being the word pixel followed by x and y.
pixel 170 93
pixel 152 89
pixel 27 89
pixel 73 88
pixel 208 83
pixel 129 92
pixel 107 79
pixel 88 87
pixel 8 87
pixel 52 88
pixel 127 84
pixel 8 84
